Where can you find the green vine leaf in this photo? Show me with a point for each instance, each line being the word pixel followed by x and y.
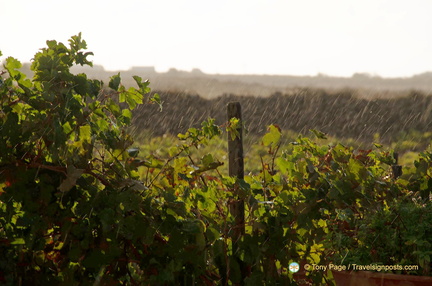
pixel 318 134
pixel 156 99
pixel 272 137
pixel 114 82
pixel 233 128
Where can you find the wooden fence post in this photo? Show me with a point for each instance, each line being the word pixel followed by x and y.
pixel 236 169
pixel 235 145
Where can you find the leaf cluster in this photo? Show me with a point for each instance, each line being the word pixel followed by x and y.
pixel 64 174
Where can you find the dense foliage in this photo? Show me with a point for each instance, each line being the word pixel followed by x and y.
pixel 81 205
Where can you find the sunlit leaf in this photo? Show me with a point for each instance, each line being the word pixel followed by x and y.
pixel 233 128
pixel 272 137
pixel 378 145
pixel 18 241
pixel 156 99
pixel 77 43
pixel 12 65
pixel 127 115
pixel 143 85
pixel 318 134
pixel 85 133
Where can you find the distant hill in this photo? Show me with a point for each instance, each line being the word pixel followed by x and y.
pixel 358 107
pixel 214 85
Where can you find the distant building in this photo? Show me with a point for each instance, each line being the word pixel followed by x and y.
pixel 196 71
pixel 172 71
pixel 143 69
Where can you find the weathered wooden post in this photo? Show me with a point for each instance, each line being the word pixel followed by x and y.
pixel 235 143
pixel 236 169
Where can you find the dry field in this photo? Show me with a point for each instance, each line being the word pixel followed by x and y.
pixel 340 114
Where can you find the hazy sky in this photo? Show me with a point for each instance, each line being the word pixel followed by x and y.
pixel 303 37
